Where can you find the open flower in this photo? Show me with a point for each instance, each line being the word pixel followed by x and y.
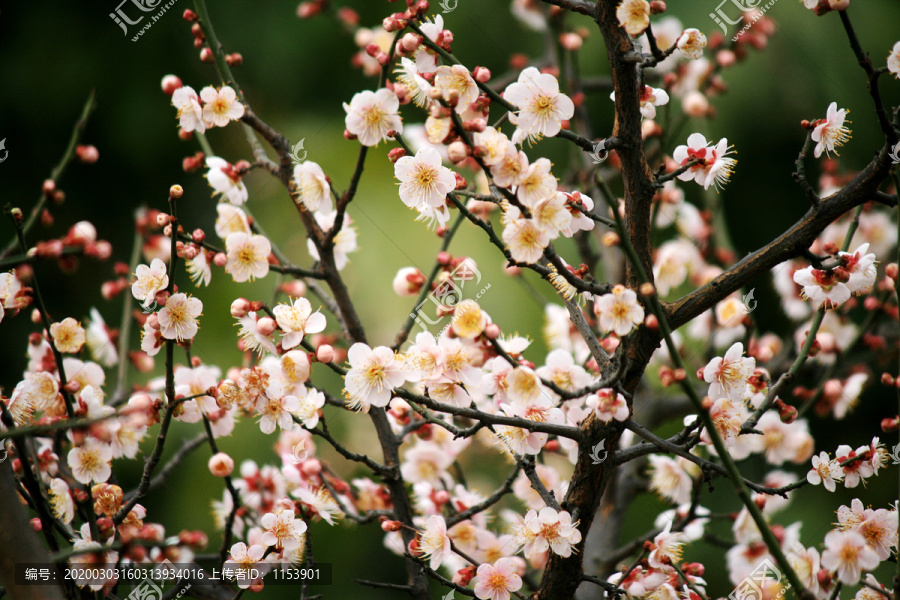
pixel 830 132
pixel 90 462
pixel 370 115
pixel 220 106
pixel 847 554
pixel 634 16
pixel 495 582
pixel 242 559
pixel 619 310
pixel 224 179
pixel 373 374
pixel 525 239
pixel 296 320
pixel 893 61
pixel 423 179
pixel 728 375
pixel 456 78
pixel 713 166
pixel 149 281
pixel 548 530
pixel 248 256
pixel 282 530
pixel 178 318
pixel 823 287
pixel 190 114
pixel 434 541
pixel 608 405
pixel 691 43
pixel 542 107
pixel 825 471
pixel 313 187
pixel 68 335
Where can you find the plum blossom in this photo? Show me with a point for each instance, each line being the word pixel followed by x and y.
pixel 373 374
pixel 608 405
pixel 525 238
pixel 371 115
pixel 847 554
pixel 691 44
pixel 714 166
pixel 825 471
pixel 149 280
pixel 728 376
pixel 313 188
pixel 190 113
pixel 68 335
pixel 542 107
pixel 296 320
pixel 893 61
pixel 248 256
pixel 823 287
pixel 548 529
pixel 434 541
pixel 634 16
pixel 830 132
pixel 667 547
pixel 495 582
pixel 90 461
pixel 61 500
pixel 282 530
pixel 178 318
pixel 221 106
pixel 453 80
pixel 619 311
pixel 669 479
pixel 423 180
pixel 241 559
pixel 224 179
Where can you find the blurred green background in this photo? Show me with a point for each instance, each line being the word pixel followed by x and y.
pixel 295 75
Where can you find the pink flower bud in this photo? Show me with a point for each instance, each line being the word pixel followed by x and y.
pixel 36 524
pixel 457 151
pixel 221 465
pixel 492 331
pixel 266 326
pixel 311 467
pixel 408 281
pixel 240 308
pixel 170 83
pixel 571 41
pixel 206 56
pixel 482 74
pixel 325 353
pixel 87 154
pixel 409 42
pixel 220 260
pixel 176 191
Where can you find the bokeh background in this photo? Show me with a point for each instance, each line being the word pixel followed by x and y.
pixel 295 75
